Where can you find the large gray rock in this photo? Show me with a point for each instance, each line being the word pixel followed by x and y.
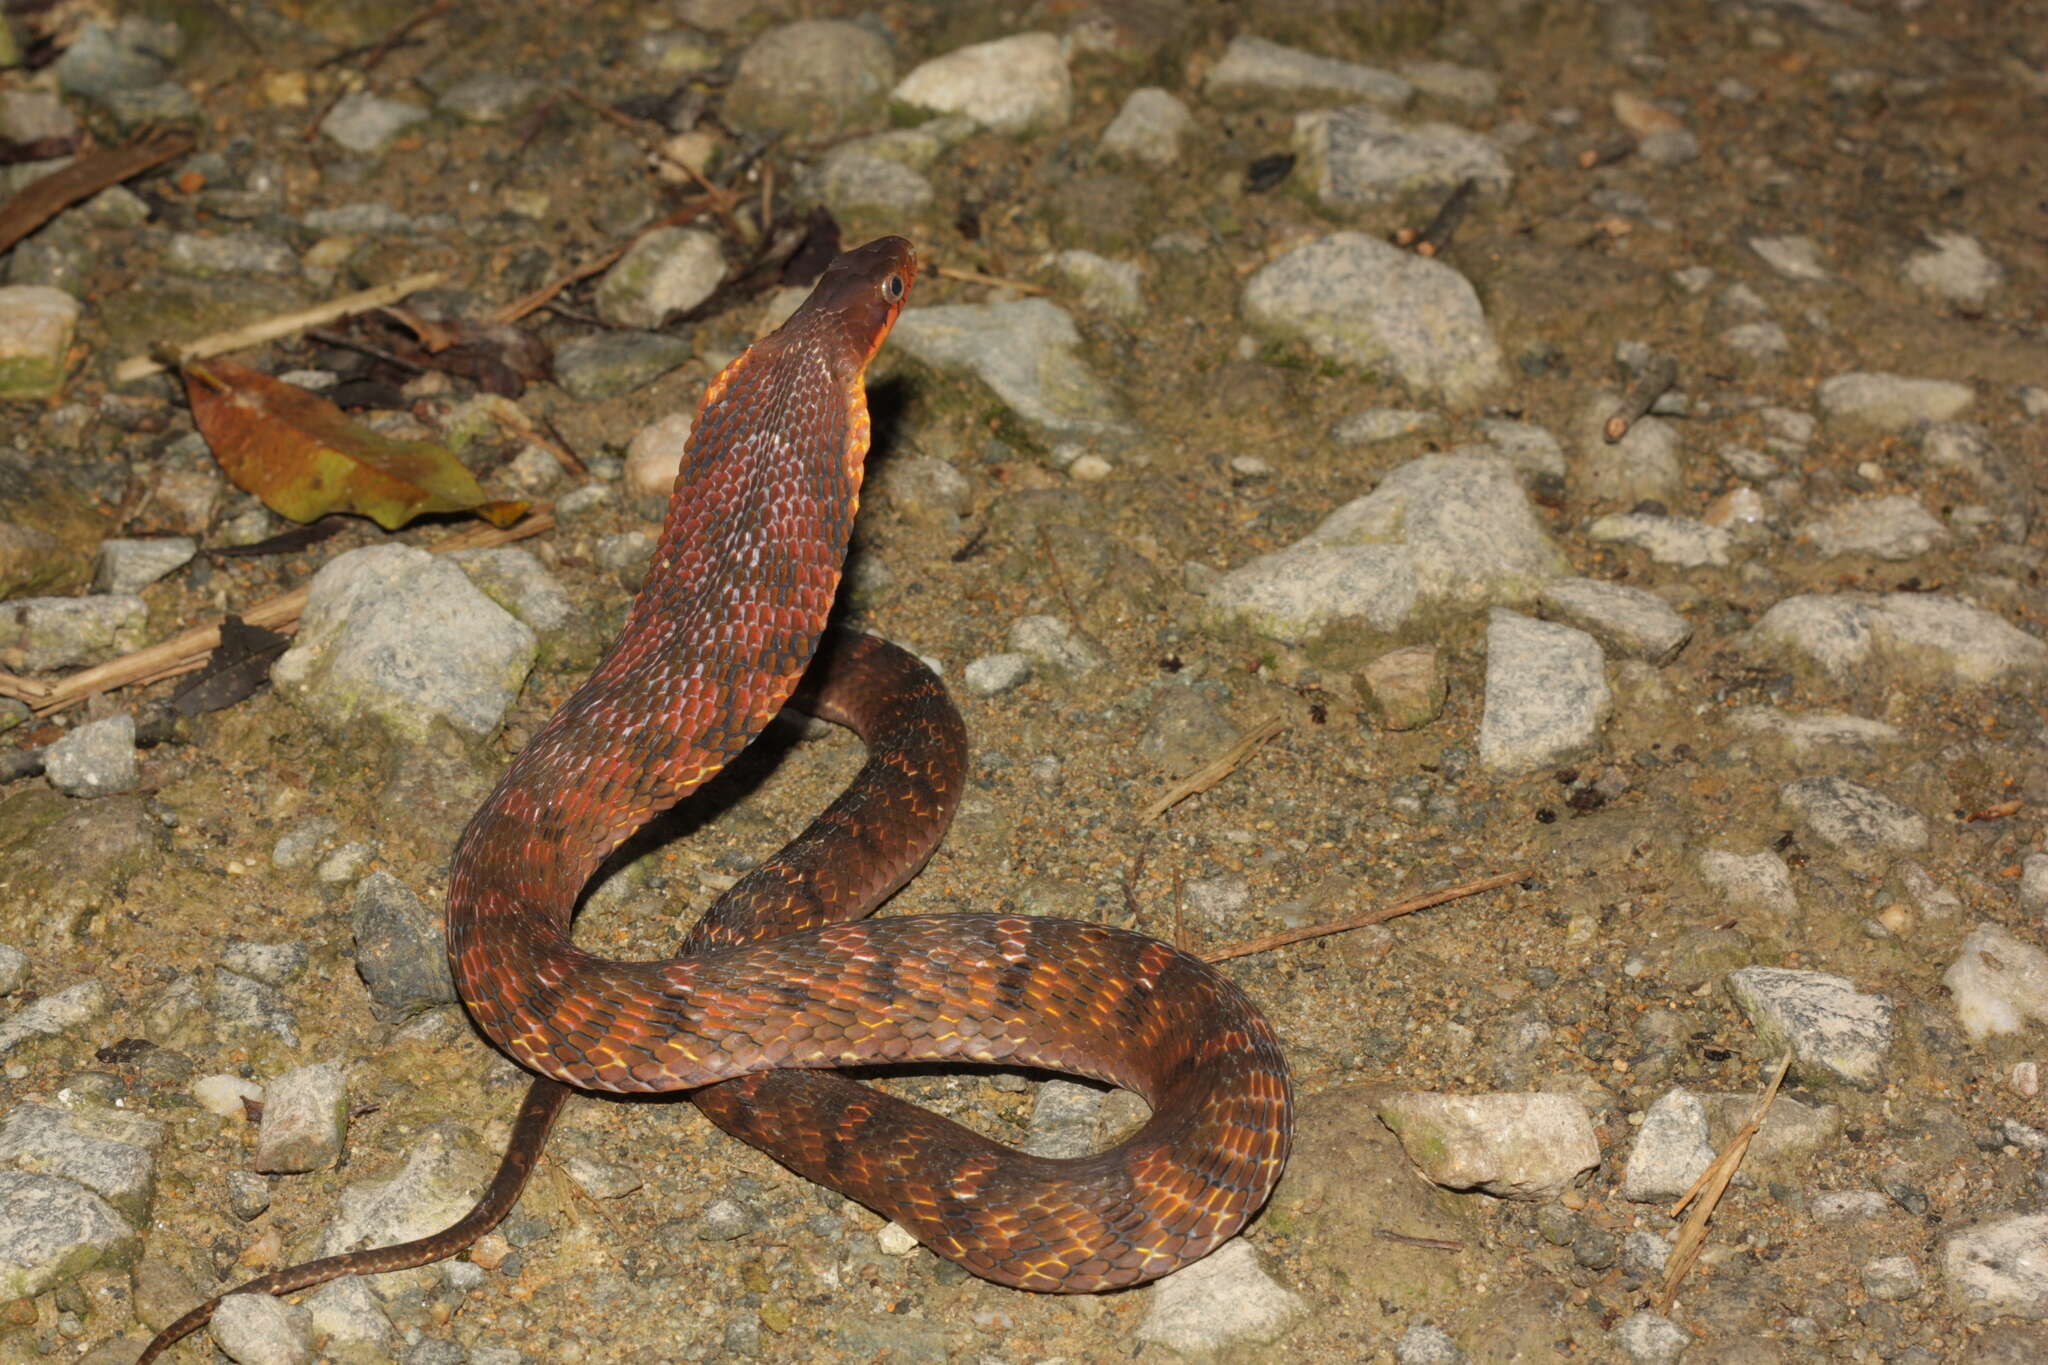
pixel 305 1118
pixel 1355 300
pixel 663 272
pixel 1893 527
pixel 109 1151
pixel 54 1015
pixel 1444 532
pixel 38 634
pixel 53 1230
pixel 399 637
pixel 1671 1149
pixel 1627 621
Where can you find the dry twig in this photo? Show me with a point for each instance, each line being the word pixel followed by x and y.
pixel 376 54
pixel 541 297
pixel 41 200
pixel 282 325
pixel 955 272
pixel 1214 771
pixel 1657 377
pixel 1708 1189
pixel 1246 947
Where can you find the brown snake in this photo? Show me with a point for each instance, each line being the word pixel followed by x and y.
pixel 778 984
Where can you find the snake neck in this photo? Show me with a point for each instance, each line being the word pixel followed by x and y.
pixel 735 600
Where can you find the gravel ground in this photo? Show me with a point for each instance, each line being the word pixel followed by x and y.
pixel 1171 443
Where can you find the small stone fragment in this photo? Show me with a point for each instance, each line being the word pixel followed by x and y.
pixel 1895 527
pixel 1626 621
pixel 1956 269
pixel 1405 687
pixel 399 953
pixel 1999 1267
pixel 1256 69
pixel 95 759
pixel 1652 1339
pixel 1671 1149
pixel 1863 825
pixel 1149 129
pixel 262 1329
pixel 1050 643
pixel 36 323
pixel 364 122
pixel 129 566
pixel 1891 1278
pixel 305 1119
pixel 1875 402
pixel 665 271
pixel 991 675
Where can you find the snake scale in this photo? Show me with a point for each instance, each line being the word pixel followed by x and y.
pixel 784 980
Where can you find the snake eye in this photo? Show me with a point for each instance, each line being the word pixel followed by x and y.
pixel 892 288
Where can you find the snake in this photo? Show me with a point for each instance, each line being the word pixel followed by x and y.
pixel 785 982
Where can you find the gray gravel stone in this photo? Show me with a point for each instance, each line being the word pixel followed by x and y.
pixel 1405 688
pixel 1466 85
pixel 1014 85
pixel 2033 890
pixel 305 1120
pixel 1834 1031
pixel 491 97
pixel 1956 269
pixel 1361 158
pixel 665 271
pixel 1643 465
pixel 1525 445
pixel 1904 637
pixel 1440 533
pixel 1999 1267
pixel 349 1321
pixel 1382 424
pixel 129 566
pixel 248 1195
pixel 1427 1344
pixel 726 1220
pixel 95 759
pixel 608 364
pixel 1102 285
pixel 245 1007
pixel 1028 354
pixel 1546 693
pixel 52 1230
pixel 1650 1339
pixel 991 675
pixel 1866 402
pixel 1754 881
pixel 54 1015
pixel 1626 621
pixel 1891 1278
pixel 397 636
pixel 1998 982
pixel 1355 300
pixel 1671 1149
pixel 1063 1119
pixel 229 254
pixel 436 1185
pixel 1150 129
pixel 1225 1299
pixel 1514 1145
pixel 36 327
pixel 815 79
pixel 303 844
pixel 13 969
pixel 854 179
pixel 1863 825
pixel 398 949
pixel 1894 527
pixel 364 122
pixel 38 634
pixel 262 1329
pixel 1794 257
pixel 517 581
pixel 1848 1206
pixel 1255 70
pixel 1053 645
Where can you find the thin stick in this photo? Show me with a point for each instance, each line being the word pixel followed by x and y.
pixel 1246 947
pixel 954 272
pixel 1657 377
pixel 1432 239
pixel 376 55
pixel 282 325
pixel 1408 1240
pixel 1709 1188
pixel 1214 771
pixel 188 650
pixel 1059 575
pixel 41 200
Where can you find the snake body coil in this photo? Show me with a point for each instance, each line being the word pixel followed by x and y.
pixel 779 983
